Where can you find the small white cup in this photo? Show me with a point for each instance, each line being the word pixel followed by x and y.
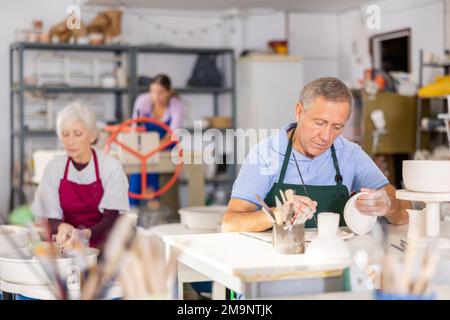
pixel 417 223
pixel 328 224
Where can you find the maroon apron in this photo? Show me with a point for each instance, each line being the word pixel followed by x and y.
pixel 79 202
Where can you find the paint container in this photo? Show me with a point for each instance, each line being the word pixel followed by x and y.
pixel 381 295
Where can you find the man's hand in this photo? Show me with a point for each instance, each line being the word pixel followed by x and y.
pixel 301 203
pixel 375 203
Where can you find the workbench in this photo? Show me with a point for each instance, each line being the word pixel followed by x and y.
pixel 252 268
pixel 193 170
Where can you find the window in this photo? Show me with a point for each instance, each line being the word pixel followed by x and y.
pixel 392 51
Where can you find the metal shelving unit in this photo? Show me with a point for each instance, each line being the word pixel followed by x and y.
pixel 20 133
pixel 228 88
pixel 71 89
pixel 423 102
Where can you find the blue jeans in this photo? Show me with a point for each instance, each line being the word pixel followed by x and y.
pixel 135 186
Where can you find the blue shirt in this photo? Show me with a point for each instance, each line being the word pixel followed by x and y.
pixel 262 167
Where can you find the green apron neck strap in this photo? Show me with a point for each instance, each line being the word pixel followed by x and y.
pixel 287 155
pixel 338 177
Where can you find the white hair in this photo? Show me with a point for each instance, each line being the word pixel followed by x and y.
pixel 76 111
pixel 329 88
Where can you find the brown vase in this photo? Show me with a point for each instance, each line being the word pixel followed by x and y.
pixel 114 18
pixel 99 24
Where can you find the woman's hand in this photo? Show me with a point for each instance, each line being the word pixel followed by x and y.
pixel 64 233
pixel 69 237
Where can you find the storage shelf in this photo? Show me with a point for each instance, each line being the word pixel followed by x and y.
pixel 180 50
pixel 129 52
pixel 433 131
pixel 437 65
pixel 195 90
pixel 35 133
pixel 71 89
pixel 433 98
pixel 118 48
pixel 67 47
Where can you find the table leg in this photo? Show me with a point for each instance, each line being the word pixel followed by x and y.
pixel 196 184
pixel 8 296
pixel 187 275
pixel 218 291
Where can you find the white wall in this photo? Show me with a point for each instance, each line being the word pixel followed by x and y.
pixel 260 28
pixel 14 14
pixel 424 17
pixel 447 24
pixel 315 38
pixel 239 32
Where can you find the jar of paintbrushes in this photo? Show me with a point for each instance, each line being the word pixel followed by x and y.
pixel 407 273
pixel 288 235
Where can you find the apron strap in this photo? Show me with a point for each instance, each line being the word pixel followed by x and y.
pixel 287 155
pixel 66 170
pixel 338 177
pixel 97 172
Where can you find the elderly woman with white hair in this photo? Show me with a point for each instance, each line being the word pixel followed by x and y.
pixel 82 192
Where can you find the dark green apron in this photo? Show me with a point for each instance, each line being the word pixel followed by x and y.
pixel 329 198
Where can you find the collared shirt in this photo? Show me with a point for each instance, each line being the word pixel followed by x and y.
pixel 262 167
pixel 114 181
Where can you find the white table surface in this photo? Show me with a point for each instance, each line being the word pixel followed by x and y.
pixel 233 259
pixel 173 229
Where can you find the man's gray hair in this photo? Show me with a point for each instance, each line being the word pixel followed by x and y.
pixel 76 111
pixel 329 88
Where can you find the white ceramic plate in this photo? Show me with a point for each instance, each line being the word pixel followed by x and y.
pixel 357 222
pixel 310 234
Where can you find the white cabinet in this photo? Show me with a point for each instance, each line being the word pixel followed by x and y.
pixel 268 88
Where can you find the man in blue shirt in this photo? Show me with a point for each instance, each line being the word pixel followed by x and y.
pixel 312 150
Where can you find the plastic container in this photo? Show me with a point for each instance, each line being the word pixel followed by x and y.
pixel 202 218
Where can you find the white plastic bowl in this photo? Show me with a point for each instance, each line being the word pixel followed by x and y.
pixel 202 218
pixel 20 267
pixel 427 175
pixel 12 237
